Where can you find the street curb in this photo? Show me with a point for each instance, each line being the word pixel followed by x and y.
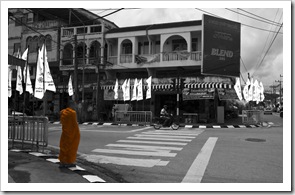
pixel 54 159
pixel 205 126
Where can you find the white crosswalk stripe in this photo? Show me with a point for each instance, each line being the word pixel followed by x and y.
pixel 144 149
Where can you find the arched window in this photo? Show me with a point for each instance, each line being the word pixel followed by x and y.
pixel 41 41
pixel 48 42
pixel 68 55
pixel 34 44
pixel 29 44
pixel 94 53
pixel 80 52
pixel 126 51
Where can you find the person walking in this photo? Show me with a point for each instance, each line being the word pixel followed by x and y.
pixel 70 137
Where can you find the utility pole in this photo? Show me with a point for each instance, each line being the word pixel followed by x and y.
pixel 279 81
pixel 76 91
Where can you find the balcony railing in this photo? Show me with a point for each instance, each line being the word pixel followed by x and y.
pixel 175 55
pixel 196 55
pixel 126 58
pixel 113 59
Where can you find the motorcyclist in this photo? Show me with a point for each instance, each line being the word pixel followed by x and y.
pixel 166 116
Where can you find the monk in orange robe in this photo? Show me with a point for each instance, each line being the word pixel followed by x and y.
pixel 70 137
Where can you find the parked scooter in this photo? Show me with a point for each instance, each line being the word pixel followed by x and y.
pixel 160 121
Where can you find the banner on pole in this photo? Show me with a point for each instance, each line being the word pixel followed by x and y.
pixel 39 88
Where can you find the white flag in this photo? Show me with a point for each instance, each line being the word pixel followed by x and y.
pixel 261 95
pixel 116 90
pixel 134 94
pixel 124 89
pixel 70 87
pixel 250 93
pixel 149 88
pixel 246 91
pixel 39 87
pixel 19 85
pixel 238 88
pixel 127 91
pixel 27 78
pixel 49 84
pixel 256 91
pixel 9 80
pixel 139 90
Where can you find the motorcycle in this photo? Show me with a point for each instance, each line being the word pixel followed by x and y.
pixel 160 121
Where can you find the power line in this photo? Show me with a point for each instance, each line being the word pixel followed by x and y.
pixel 241 23
pixel 268 49
pixel 272 23
pixel 259 16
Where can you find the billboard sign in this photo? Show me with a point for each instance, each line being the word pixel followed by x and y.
pixel 221 47
pixel 197 94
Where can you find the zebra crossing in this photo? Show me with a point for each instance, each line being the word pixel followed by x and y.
pixel 145 149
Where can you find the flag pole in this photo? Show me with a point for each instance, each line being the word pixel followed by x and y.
pixel 44 91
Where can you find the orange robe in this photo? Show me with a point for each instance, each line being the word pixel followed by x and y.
pixel 70 137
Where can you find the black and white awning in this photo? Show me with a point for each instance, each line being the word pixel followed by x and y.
pixel 217 85
pixel 197 85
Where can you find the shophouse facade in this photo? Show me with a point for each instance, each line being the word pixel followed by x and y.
pixel 171 54
pixel 56 28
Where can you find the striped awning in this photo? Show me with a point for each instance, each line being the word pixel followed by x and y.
pixel 154 86
pixel 208 85
pixel 196 85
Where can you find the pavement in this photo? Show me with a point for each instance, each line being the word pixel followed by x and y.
pixel 28 166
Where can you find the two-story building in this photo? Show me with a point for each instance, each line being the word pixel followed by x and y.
pixel 56 28
pixel 171 53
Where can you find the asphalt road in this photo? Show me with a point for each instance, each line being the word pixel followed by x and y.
pixel 146 155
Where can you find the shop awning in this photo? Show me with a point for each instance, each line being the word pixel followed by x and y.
pixel 199 85
pixel 154 86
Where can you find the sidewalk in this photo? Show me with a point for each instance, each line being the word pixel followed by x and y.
pixel 26 166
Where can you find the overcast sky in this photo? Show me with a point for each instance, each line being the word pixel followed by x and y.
pixel 255 43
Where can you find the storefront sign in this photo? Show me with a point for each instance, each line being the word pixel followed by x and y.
pixel 221 46
pixel 227 94
pixel 195 94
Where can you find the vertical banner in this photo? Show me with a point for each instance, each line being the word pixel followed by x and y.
pixel 19 85
pixel 149 88
pixel 9 80
pixel 70 86
pixel 238 88
pixel 127 97
pixel 116 90
pixel 126 90
pixel 221 46
pixel 39 88
pixel 246 91
pixel 49 84
pixel 134 93
pixel 27 79
pixel 139 91
pixel 261 94
pixel 250 90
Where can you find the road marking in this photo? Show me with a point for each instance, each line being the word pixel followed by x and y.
pixel 142 153
pixel 164 136
pixel 152 142
pixel 144 147
pixel 166 133
pixel 164 139
pixel 197 169
pixel 142 129
pixel 125 161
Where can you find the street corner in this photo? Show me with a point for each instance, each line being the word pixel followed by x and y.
pixel 27 166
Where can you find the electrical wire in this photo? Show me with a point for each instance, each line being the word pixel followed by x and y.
pixel 259 16
pixel 268 49
pixel 253 17
pixel 241 23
